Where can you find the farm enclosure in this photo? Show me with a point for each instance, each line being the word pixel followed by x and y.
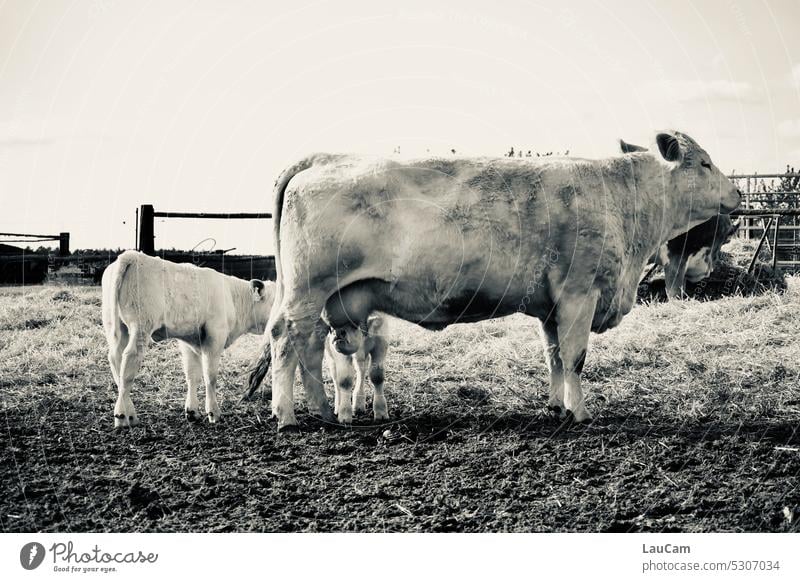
pixel 696 405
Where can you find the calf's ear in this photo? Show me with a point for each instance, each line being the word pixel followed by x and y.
pixel 669 147
pixel 629 148
pixel 257 288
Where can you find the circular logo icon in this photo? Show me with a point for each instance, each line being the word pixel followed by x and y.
pixel 31 555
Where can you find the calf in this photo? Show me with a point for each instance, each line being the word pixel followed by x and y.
pixel 146 298
pixel 351 352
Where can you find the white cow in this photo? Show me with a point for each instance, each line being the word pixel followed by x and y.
pixel 351 352
pixel 147 298
pixel 443 241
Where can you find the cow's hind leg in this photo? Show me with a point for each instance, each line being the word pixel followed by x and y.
pixel 193 370
pixel 311 373
pixel 574 317
pixel 380 410
pixel 130 362
pixel 549 333
pixel 290 327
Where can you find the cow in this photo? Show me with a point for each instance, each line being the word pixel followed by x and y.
pixel 441 241
pixel 351 353
pixel 690 256
pixel 148 299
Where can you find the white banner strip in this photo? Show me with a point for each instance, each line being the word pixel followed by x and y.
pixel 382 557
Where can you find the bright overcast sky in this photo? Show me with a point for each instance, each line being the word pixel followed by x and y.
pixel 196 106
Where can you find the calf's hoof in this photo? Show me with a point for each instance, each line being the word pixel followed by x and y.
pixel 380 415
pixel 191 415
pixel 579 417
pixel 125 421
pixel 214 417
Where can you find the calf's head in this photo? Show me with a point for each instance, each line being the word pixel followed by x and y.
pixel 262 294
pixel 348 339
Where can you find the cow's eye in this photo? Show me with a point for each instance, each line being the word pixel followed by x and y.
pixel 706 164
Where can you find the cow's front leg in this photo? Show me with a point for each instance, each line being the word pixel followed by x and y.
pixel 211 352
pixel 380 410
pixel 549 334
pixel 574 317
pixel 193 370
pixel 311 374
pixel 359 391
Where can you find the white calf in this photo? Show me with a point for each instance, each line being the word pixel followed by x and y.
pixel 146 298
pixel 351 352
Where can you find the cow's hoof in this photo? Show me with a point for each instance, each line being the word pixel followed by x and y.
pixel 360 408
pixel 345 418
pixel 581 417
pixel 380 415
pixel 288 428
pixel 213 418
pixel 192 415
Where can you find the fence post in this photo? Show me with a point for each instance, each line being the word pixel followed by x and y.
pixel 146 230
pixel 63 244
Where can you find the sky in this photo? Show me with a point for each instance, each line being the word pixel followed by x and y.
pixel 198 105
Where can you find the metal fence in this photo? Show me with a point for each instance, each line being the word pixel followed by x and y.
pixel 770 212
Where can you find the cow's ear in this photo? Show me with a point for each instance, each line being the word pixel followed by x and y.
pixel 257 287
pixel 629 148
pixel 669 146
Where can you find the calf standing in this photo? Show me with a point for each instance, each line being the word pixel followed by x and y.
pixel 146 298
pixel 351 352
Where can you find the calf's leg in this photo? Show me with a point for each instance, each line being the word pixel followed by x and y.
pixel 131 361
pixel 343 374
pixel 360 360
pixel 193 370
pixel 380 410
pixel 211 353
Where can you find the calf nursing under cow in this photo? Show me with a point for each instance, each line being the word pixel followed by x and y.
pixel 438 242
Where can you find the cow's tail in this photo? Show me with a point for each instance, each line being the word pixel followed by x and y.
pixel 261 367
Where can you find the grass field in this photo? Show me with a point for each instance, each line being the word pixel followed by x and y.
pixel 697 409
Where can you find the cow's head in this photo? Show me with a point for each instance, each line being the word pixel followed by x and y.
pixel 692 179
pixel 262 294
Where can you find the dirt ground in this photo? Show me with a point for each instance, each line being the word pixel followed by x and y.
pixel 697 408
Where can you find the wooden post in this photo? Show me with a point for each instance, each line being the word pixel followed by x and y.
pixel 146 229
pixel 775 243
pixel 63 244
